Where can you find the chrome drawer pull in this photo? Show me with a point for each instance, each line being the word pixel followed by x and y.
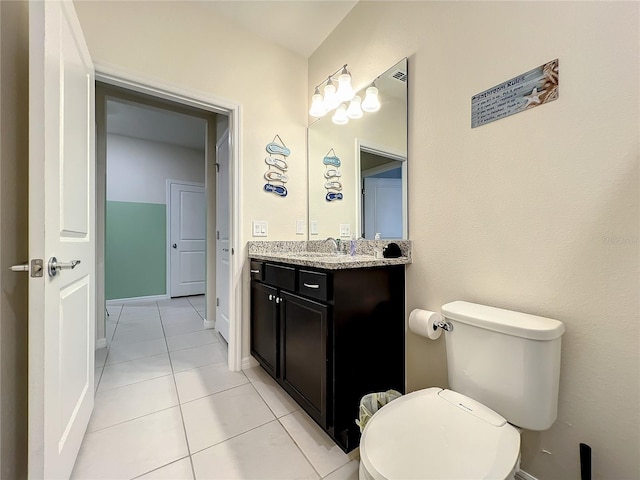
pixel 254 271
pixel 311 286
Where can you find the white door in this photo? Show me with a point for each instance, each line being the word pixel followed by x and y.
pixel 188 210
pixel 382 207
pixel 223 260
pixel 62 308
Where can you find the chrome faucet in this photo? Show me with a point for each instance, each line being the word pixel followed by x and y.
pixel 334 243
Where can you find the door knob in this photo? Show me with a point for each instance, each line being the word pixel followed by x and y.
pixel 175 245
pixel 54 266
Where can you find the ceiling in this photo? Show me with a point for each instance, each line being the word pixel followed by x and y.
pixel 298 25
pixel 155 124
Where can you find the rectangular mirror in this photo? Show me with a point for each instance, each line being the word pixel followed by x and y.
pixel 367 193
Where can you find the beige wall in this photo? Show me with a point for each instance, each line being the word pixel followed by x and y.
pixel 189 47
pixel 13 237
pixel 537 212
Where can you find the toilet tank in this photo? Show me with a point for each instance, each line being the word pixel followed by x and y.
pixel 507 360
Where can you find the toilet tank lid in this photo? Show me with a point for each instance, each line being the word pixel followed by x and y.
pixel 504 321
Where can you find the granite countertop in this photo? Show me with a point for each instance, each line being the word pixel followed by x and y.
pixel 317 254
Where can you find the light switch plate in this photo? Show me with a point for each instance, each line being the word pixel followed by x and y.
pixel 345 230
pixel 260 228
pixel 313 227
pixel 299 227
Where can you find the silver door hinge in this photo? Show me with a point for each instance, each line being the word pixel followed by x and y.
pixel 217 302
pixel 217 235
pixel 217 167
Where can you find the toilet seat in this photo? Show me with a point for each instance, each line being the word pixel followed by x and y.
pixel 438 434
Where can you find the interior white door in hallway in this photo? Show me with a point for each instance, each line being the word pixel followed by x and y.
pixel 62 306
pixel 382 203
pixel 188 226
pixel 223 253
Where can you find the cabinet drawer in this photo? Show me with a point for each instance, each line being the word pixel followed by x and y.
pixel 313 284
pixel 280 276
pixel 257 270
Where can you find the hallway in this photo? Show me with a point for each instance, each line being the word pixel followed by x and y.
pixel 167 407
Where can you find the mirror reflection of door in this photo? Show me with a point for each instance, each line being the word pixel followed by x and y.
pixel 382 199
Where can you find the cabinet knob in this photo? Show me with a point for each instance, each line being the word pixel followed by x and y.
pixel 270 297
pixel 278 299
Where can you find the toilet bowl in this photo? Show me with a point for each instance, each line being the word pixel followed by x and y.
pixel 438 434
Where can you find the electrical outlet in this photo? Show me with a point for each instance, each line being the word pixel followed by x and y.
pixel 313 227
pixel 260 228
pixel 299 227
pixel 345 230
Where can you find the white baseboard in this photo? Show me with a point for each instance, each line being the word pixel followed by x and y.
pixel 101 343
pixel 249 362
pixel 208 323
pixel 150 298
pixel 522 475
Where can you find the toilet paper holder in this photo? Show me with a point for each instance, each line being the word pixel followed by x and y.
pixel 443 324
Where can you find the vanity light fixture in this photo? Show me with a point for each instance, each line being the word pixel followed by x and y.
pixel 345 90
pixel 340 116
pixel 317 105
pixel 343 98
pixel 371 103
pixel 331 99
pixel 355 110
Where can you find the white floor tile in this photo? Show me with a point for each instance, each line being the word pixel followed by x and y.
pixel 346 472
pixel 126 351
pixel 177 315
pixel 111 328
pixel 180 327
pixel 136 332
pixel 101 356
pixel 216 418
pixel 276 398
pixel 174 303
pixel 180 470
pixel 317 446
pixel 207 380
pixel 97 373
pixel 197 357
pixel 114 311
pixel 138 317
pixel 193 339
pixel 266 452
pixel 139 309
pixel 121 404
pixel 132 448
pixel 199 300
pixel 134 371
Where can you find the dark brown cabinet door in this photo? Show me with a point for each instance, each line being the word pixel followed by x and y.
pixel 303 354
pixel 264 326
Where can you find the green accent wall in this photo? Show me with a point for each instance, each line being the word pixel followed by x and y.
pixel 135 250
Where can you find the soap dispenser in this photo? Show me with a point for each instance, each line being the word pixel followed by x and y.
pixel 352 245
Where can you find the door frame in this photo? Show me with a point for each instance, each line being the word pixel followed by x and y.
pixel 135 82
pixel 168 216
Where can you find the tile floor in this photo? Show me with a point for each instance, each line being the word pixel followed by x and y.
pixel 167 407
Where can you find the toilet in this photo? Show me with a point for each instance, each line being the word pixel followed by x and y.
pixel 504 372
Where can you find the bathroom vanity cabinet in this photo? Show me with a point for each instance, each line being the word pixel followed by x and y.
pixel 329 337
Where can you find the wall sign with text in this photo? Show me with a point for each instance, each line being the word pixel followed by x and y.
pixel 526 91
